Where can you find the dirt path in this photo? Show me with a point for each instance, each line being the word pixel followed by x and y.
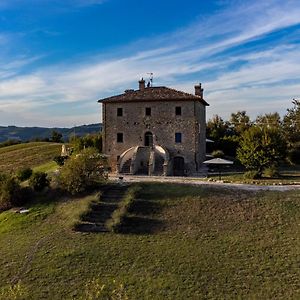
pixel 199 181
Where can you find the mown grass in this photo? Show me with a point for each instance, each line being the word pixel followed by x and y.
pixel 48 167
pixel 31 155
pixel 287 175
pixel 190 243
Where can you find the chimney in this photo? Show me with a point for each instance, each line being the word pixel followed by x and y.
pixel 142 84
pixel 199 90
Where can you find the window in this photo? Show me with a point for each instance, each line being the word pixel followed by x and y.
pixel 119 111
pixel 178 137
pixel 119 137
pixel 178 110
pixel 148 111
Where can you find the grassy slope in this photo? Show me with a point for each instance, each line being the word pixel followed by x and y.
pixel 190 242
pixel 31 155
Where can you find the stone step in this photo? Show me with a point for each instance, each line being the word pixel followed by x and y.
pixel 101 212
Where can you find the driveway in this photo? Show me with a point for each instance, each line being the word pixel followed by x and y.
pixel 199 181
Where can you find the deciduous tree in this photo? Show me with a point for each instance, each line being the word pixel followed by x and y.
pixel 260 148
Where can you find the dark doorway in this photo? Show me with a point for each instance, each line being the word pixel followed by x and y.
pixel 178 166
pixel 148 139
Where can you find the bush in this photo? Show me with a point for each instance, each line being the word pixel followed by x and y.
pixel 9 192
pixel 60 160
pixel 294 156
pixel 261 147
pixel 252 175
pixel 82 171
pixel 218 154
pixel 24 174
pixel 271 172
pixel 9 143
pixel 38 181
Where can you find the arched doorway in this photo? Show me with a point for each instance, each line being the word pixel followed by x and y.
pixel 148 139
pixel 178 166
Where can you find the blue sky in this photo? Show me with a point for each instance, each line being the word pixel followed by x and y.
pixel 57 57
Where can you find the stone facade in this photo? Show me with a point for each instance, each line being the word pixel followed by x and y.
pixel 161 126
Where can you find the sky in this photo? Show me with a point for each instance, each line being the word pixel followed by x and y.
pixel 58 57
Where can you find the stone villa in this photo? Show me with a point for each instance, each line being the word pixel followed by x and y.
pixel 155 131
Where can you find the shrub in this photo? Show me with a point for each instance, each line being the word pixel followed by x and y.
pixel 294 156
pixel 82 171
pixel 60 160
pixel 252 175
pixel 38 181
pixel 271 172
pixel 9 143
pixel 261 147
pixel 9 192
pixel 24 174
pixel 218 154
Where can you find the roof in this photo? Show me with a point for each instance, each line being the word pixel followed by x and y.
pixel 153 94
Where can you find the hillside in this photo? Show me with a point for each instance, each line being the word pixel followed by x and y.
pixel 182 242
pixel 30 155
pixel 31 133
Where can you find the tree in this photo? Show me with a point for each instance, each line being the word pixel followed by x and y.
pixel 291 124
pixel 269 120
pixel 56 136
pixel 38 181
pixel 87 141
pixel 224 140
pixel 216 128
pixel 83 170
pixel 239 122
pixel 260 148
pixel 9 192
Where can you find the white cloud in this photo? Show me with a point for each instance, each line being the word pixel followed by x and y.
pixel 255 85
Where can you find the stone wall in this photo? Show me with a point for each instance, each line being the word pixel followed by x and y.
pixel 163 123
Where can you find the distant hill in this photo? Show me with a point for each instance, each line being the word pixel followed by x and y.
pixel 31 133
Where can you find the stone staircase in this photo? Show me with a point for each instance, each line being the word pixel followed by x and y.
pixel 126 167
pixel 142 160
pixel 159 165
pixel 95 220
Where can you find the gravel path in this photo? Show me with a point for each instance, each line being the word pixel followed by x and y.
pixel 198 181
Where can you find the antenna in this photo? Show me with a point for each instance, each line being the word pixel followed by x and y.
pixel 150 83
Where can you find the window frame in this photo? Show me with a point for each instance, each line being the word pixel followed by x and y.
pixel 148 111
pixel 120 137
pixel 119 111
pixel 178 111
pixel 178 137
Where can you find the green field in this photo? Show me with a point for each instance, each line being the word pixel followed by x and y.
pixel 183 242
pixel 288 174
pixel 31 155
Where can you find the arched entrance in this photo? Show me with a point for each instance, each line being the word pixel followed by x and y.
pixel 148 139
pixel 178 166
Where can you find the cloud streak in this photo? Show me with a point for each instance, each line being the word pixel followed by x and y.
pixel 212 50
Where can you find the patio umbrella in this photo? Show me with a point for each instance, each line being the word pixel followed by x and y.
pixel 218 161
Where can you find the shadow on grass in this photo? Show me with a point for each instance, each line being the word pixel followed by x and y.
pixel 143 218
pixel 146 207
pixel 142 225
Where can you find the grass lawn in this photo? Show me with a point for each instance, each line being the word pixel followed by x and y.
pixel 183 242
pixel 288 175
pixel 13 158
pixel 48 167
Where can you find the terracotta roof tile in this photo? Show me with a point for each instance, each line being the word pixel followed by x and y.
pixel 153 94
